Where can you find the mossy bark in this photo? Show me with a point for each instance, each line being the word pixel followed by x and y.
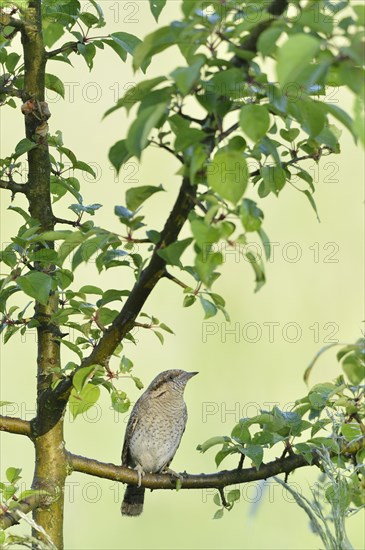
pixel 47 435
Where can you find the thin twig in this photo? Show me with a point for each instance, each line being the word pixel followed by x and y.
pixel 167 148
pixel 175 280
pixel 75 223
pixel 68 46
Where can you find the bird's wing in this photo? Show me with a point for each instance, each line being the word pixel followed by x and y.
pixel 131 426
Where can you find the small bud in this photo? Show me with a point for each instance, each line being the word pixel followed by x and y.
pixel 29 107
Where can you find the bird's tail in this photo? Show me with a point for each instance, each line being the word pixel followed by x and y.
pixel 132 504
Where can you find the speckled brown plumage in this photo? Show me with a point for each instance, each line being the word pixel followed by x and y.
pixel 154 430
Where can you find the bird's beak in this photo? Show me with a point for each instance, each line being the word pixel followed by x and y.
pixel 190 375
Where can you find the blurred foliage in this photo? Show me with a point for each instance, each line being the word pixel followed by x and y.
pixel 257 129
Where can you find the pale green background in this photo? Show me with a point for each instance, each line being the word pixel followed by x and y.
pixel 236 377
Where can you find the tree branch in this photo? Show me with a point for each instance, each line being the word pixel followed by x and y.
pixel 68 46
pixel 175 280
pixel 11 92
pixel 15 426
pixel 167 148
pixel 125 320
pixel 14 187
pixel 12 516
pixel 148 279
pixel 275 8
pixel 7 21
pixel 189 481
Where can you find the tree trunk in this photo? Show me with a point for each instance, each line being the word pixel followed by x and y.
pixel 50 464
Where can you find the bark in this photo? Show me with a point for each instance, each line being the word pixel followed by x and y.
pixel 50 464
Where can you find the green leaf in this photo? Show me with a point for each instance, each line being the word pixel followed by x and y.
pixel 119 154
pixel 154 43
pixel 228 175
pixel 139 131
pixel 106 316
pixel 51 236
pixel 12 61
pixel 209 308
pixel 206 263
pixel 137 195
pixel 251 216
pixel 359 119
pixel 217 440
pixel 81 402
pixel 88 209
pixel 360 14
pixel 219 514
pixel 223 453
pixel 136 94
pixel 204 234
pixel 228 83
pixel 73 347
pixel 309 369
pixel 24 146
pixel 172 253
pixel 52 32
pixel 36 285
pixel 341 116
pixel 293 58
pixel 126 365
pixel 254 121
pixel 354 368
pixel 187 77
pixel 189 300
pixel 274 178
pixel 351 431
pixel 290 135
pixel 13 474
pixel 305 450
pixel 8 257
pixel 128 41
pixel 310 114
pixel 71 241
pixel 88 51
pixel 166 328
pixel 241 432
pixel 234 495
pixel 187 137
pixel 89 19
pixel 82 376
pixel 84 167
pixel 259 270
pixel 159 335
pixel 120 401
pixel 266 43
pixel 312 202
pixel 53 83
pixel 326 442
pixel 138 382
pixel 156 7
pixel 255 453
pixel 90 289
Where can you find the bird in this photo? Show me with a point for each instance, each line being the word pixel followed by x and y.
pixel 154 431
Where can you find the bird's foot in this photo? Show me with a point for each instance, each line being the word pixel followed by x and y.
pixel 174 474
pixel 140 473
